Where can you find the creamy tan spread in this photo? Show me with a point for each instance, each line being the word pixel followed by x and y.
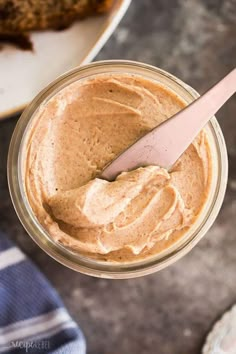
pixel 70 140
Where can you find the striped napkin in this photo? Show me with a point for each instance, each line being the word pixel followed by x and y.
pixel 32 316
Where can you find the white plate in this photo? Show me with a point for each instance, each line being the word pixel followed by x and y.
pixel 222 338
pixel 24 73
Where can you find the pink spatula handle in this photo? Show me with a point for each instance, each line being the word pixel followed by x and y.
pixel 166 143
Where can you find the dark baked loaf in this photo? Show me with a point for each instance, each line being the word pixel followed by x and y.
pixel 20 16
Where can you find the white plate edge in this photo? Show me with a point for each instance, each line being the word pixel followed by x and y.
pixel 109 26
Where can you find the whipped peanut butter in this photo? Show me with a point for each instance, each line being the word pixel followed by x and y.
pixel 70 140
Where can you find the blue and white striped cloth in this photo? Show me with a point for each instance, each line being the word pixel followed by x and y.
pixel 32 316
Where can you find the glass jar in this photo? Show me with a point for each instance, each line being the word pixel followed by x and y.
pixel 87 265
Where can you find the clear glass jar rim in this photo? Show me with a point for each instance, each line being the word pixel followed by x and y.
pixel 35 230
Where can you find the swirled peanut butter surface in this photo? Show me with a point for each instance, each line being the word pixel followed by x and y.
pixel 70 140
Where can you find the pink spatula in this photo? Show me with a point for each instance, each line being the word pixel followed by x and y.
pixel 164 144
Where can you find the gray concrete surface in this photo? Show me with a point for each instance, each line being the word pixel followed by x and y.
pixel 169 312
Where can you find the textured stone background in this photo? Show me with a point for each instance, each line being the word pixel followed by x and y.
pixel 168 312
